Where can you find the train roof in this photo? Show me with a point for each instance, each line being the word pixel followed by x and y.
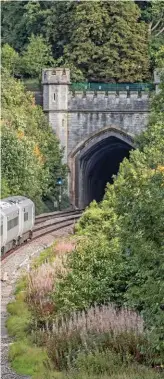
pixel 10 204
pixel 15 199
pixel 7 208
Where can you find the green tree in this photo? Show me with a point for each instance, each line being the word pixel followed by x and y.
pixel 36 56
pixel 107 41
pixel 10 59
pixel 121 256
pixel 13 24
pixel 5 190
pixel 25 124
pixel 20 19
pixel 152 12
pixel 156 22
pixel 20 166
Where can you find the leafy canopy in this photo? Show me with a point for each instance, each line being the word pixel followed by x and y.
pixel 34 162
pixel 102 41
pixel 120 256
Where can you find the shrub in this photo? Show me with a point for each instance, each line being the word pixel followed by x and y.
pixel 91 269
pixel 98 363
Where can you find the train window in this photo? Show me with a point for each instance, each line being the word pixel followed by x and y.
pixel 1 229
pixel 12 223
pixel 26 216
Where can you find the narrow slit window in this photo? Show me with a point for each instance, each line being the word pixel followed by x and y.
pixel 54 96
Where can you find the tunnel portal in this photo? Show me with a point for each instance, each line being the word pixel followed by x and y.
pixel 96 167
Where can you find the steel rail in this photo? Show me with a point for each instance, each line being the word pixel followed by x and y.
pixel 47 229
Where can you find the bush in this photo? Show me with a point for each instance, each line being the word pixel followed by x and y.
pixel 91 269
pixel 109 365
pixel 98 363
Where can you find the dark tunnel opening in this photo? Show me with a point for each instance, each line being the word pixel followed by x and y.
pixel 99 164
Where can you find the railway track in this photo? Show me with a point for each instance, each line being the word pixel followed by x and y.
pixel 48 216
pixel 49 223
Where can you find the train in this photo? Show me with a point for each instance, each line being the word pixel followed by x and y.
pixel 17 216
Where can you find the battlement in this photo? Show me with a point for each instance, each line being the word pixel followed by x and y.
pixel 56 76
pixel 108 101
pixel 109 94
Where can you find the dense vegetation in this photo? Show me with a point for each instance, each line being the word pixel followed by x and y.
pixel 100 41
pixel 95 302
pixel 30 152
pixel 124 263
pixel 92 306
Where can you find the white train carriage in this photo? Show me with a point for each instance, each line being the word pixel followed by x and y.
pixel 17 220
pixel 9 225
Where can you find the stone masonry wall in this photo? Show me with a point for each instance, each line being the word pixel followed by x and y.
pixel 76 116
pixel 87 114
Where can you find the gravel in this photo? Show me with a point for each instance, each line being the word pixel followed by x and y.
pixel 12 268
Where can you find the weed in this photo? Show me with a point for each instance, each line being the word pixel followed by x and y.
pixel 19 322
pixel 26 359
pixel 48 255
pixel 99 328
pixel 21 284
pixel 41 283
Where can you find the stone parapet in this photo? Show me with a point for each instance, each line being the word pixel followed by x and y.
pixel 103 101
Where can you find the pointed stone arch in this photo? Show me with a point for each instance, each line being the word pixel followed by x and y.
pixel 88 154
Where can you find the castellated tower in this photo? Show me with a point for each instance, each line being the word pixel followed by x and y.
pixel 55 102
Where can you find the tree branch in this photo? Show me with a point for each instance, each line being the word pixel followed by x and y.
pixel 157 23
pixel 162 30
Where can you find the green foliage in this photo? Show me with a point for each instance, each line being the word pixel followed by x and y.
pixel 109 365
pixel 26 359
pixel 90 278
pixel 5 190
pixel 152 12
pixel 10 59
pixel 36 56
pixel 19 321
pixel 160 57
pixel 19 165
pixel 101 41
pixel 106 43
pixel 21 285
pixel 33 164
pixel 13 24
pixel 121 256
pixel 134 372
pixel 47 255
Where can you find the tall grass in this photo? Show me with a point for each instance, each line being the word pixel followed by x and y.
pixel 42 278
pixel 40 285
pixel 98 329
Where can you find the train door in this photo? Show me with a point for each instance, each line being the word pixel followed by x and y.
pixel 3 221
